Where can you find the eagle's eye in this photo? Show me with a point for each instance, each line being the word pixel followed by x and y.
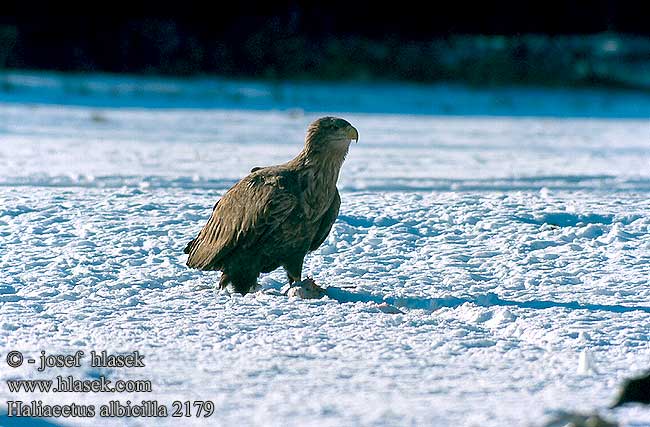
pixel 335 123
pixel 331 123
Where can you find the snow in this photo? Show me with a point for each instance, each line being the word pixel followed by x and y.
pixel 516 248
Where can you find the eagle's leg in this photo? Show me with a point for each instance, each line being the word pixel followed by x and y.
pixel 224 281
pixel 294 270
pixel 242 282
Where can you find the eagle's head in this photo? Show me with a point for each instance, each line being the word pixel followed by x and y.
pixel 330 136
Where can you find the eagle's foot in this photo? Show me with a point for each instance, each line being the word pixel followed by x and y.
pixel 305 289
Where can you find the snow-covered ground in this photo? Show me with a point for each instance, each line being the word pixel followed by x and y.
pixel 517 248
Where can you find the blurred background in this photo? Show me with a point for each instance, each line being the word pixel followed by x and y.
pixel 603 43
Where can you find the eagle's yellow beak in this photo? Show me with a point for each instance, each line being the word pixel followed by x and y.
pixel 353 133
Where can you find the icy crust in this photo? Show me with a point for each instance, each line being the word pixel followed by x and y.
pixel 212 149
pixel 502 294
pixel 517 251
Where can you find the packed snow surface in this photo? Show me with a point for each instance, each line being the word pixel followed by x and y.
pixel 516 248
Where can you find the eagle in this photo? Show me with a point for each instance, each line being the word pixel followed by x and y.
pixel 277 214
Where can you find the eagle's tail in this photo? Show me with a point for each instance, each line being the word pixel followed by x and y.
pixel 189 246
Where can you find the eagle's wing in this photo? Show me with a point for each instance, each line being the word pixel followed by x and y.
pixel 326 222
pixel 244 216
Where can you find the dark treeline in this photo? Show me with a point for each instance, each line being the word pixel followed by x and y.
pixel 329 40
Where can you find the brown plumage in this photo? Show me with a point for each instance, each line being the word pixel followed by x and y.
pixel 276 215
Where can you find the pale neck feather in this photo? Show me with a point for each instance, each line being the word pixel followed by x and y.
pixel 322 167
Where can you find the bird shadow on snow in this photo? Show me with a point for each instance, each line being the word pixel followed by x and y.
pixel 485 300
